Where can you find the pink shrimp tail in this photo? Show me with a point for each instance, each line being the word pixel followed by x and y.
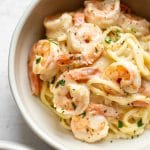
pixel 85 74
pixel 103 109
pixel 65 59
pixel 34 79
pixel 139 103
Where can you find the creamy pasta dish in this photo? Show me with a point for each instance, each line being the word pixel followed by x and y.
pixel 93 70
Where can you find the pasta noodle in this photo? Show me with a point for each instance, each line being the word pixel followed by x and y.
pixel 93 73
pixel 127 47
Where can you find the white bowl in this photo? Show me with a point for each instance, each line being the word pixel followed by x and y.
pixel 5 145
pixel 41 120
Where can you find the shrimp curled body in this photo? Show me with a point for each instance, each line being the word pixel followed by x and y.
pixel 84 45
pixel 71 97
pixel 44 62
pixel 102 13
pixel 126 74
pixel 57 26
pixel 90 126
pixel 133 24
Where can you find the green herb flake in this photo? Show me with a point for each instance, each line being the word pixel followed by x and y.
pixel 118 32
pixel 60 82
pixel 133 30
pixel 53 41
pixel 79 58
pixel 120 124
pixel 140 123
pixel 108 40
pixel 74 105
pixel 38 60
pixel 52 97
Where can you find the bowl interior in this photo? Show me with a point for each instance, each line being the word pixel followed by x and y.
pixel 40 118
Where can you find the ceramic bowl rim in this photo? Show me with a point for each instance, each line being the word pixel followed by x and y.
pixel 13 86
pixel 6 145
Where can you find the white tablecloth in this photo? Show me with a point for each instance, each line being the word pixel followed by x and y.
pixel 12 125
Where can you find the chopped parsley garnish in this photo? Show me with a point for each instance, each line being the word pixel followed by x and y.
pixel 133 30
pixel 74 105
pixel 140 123
pixel 38 60
pixel 79 58
pixel 117 35
pixel 60 82
pixel 53 41
pixel 120 124
pixel 118 32
pixel 52 97
pixel 108 40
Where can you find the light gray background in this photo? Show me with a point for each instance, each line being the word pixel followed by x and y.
pixel 12 126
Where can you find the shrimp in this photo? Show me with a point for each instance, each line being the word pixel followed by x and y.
pixel 102 110
pixel 145 88
pixel 78 18
pixel 102 13
pixel 125 8
pixel 57 26
pixel 84 44
pixel 140 103
pixel 71 97
pixel 125 74
pixel 134 24
pixel 34 78
pixel 44 59
pixel 89 126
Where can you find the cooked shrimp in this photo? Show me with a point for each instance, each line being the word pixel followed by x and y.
pixel 34 78
pixel 145 88
pixel 78 18
pixel 84 44
pixel 84 38
pixel 57 26
pixel 44 62
pixel 140 103
pixel 102 13
pixel 70 96
pixel 89 126
pixel 125 8
pixel 102 110
pixel 125 74
pixel 133 24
